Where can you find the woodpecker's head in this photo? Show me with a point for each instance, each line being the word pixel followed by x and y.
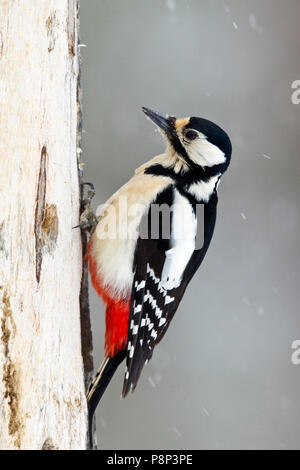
pixel 196 141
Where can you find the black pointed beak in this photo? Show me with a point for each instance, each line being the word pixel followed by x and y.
pixel 163 121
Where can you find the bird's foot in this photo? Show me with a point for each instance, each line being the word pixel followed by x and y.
pixel 88 219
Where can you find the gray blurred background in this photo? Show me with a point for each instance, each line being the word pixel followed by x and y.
pixel 222 377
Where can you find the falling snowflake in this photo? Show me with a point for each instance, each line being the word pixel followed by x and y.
pixel 151 382
pixel 253 23
pixel 261 311
pixel 176 431
pixel 157 378
pixel 171 5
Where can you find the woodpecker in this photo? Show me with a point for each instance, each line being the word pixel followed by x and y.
pixel 142 279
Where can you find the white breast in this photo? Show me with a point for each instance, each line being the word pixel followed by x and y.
pixel 114 240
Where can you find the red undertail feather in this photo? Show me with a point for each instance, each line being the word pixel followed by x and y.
pixel 117 311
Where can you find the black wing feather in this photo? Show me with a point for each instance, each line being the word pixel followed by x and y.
pixel 152 307
pixel 143 317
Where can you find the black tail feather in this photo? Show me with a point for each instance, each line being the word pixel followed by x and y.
pixel 100 383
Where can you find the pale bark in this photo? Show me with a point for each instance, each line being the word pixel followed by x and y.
pixel 42 395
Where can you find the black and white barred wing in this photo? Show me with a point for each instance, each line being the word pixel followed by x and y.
pixel 152 308
pixel 149 313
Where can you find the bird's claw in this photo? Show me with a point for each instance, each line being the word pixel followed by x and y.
pixel 88 219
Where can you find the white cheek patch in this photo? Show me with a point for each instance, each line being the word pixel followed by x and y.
pixel 204 153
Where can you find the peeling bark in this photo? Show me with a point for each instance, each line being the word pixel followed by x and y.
pixel 45 339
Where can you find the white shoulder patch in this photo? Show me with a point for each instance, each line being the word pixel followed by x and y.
pixel 203 190
pixel 183 239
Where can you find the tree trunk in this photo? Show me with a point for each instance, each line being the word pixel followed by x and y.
pixel 42 389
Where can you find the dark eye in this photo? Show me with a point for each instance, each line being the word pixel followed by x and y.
pixel 191 135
